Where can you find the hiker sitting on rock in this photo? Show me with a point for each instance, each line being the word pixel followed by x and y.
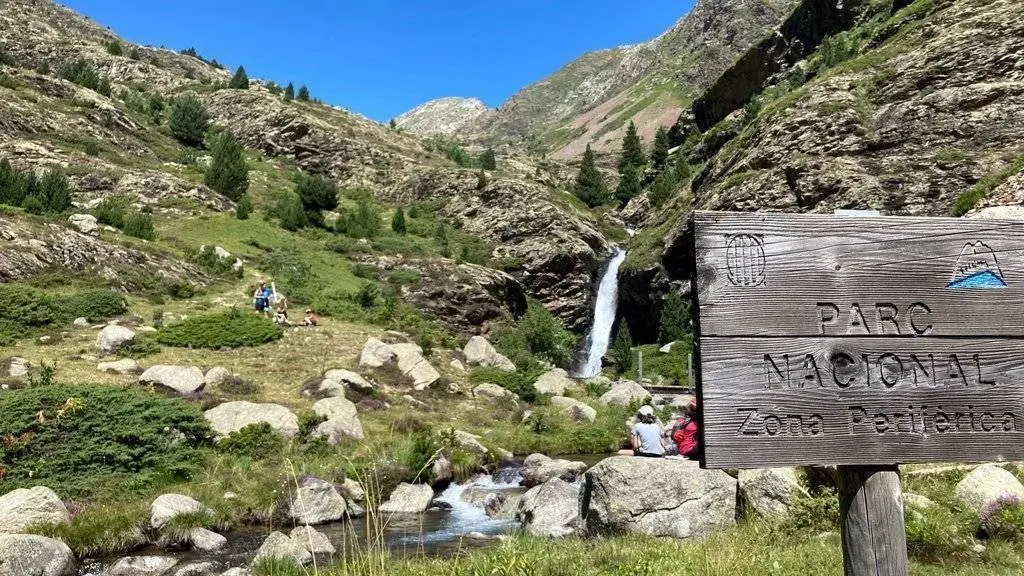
pixel 647 434
pixel 685 432
pixel 310 319
pixel 261 298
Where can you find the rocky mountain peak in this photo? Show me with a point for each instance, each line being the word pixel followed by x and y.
pixel 442 116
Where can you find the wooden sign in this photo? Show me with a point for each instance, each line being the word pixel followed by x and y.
pixel 842 340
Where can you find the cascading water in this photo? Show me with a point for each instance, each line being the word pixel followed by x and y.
pixel 604 316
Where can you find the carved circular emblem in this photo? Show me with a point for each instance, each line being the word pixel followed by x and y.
pixel 744 257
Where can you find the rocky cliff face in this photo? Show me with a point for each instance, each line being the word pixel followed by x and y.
pixel 593 98
pixel 553 250
pixel 445 116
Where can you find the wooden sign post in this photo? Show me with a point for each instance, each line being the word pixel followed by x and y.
pixel 859 342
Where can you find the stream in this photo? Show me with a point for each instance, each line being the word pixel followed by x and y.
pixel 439 532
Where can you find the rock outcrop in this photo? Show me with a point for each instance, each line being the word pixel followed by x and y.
pixel 126 366
pixel 169 506
pixel 770 492
pixel 480 352
pixel 986 484
pixel 624 392
pixel 314 541
pixel 111 338
pixel 445 116
pixel 538 469
pixel 554 382
pixel 657 497
pixel 576 411
pixel 182 380
pixel 282 547
pixel 407 357
pixel 26 507
pixel 495 393
pixel 342 420
pixel 316 502
pixel 142 566
pixel 31 555
pixel 408 499
pixel 233 416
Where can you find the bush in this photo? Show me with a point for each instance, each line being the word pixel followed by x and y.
pixel 519 382
pixel 189 121
pixel 487 160
pixel 1003 519
pixel 229 329
pixel 256 441
pixel 622 349
pixel 114 48
pixel 539 334
pixel 290 212
pixel 79 439
pixel 303 95
pixel 142 346
pixel 317 194
pixel 54 192
pixel 238 386
pixel 363 223
pixel 139 225
pixel 227 174
pixel 935 534
pixel 95 305
pixel 81 72
pixel 243 208
pixel 398 221
pixel 240 81
pixel 91 148
pixel 675 319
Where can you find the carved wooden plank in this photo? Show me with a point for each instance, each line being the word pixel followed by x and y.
pixel 874 540
pixel 808 275
pixel 798 401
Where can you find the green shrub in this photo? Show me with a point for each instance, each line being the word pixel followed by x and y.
pixel 364 222
pixel 303 95
pixel 1003 519
pixel 189 120
pixel 142 346
pixel 227 175
pixel 675 318
pixel 243 208
pixel 256 441
pixel 290 212
pixel 404 276
pixel 520 382
pixel 81 72
pixel 240 81
pixel 487 160
pixel 398 221
pixel 935 534
pixel 111 210
pixel 229 329
pixel 91 148
pixel 96 305
pixel 28 307
pixel 317 194
pixel 539 334
pixel 970 198
pixel 622 349
pixel 139 225
pixel 78 439
pixel 6 59
pixel 34 205
pixel 813 514
pixel 13 184
pixel 114 48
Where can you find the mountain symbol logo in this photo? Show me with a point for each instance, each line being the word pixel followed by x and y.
pixel 977 268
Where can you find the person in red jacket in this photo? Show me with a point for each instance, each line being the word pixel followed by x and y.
pixel 686 433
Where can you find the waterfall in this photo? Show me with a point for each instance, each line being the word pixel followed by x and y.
pixel 604 316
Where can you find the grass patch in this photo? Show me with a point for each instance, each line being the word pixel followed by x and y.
pixel 969 199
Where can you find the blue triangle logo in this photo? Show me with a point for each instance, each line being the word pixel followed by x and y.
pixel 980 279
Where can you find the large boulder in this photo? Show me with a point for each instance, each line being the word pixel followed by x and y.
pixel 657 497
pixel 112 338
pixel 480 352
pixel 24 507
pixel 986 484
pixel 85 223
pixel 550 510
pixel 576 411
pixel 338 378
pixel 124 367
pixel 408 499
pixel 141 566
pixel 554 382
pixel 206 540
pixel 538 469
pixel 13 367
pixel 495 393
pixel 376 354
pixel 31 555
pixel 342 420
pixel 181 379
pixel 623 393
pixel 280 546
pixel 770 491
pixel 314 541
pixel 216 375
pixel 166 507
pixel 414 366
pixel 233 416
pixel 316 502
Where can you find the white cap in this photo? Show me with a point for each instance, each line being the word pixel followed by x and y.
pixel 645 411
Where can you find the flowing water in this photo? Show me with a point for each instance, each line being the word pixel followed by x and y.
pixel 604 317
pixel 440 531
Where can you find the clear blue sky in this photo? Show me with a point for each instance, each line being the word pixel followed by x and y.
pixel 382 57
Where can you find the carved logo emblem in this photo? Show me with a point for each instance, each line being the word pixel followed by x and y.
pixel 744 258
pixel 976 268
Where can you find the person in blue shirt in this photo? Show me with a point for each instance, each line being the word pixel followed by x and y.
pixel 261 298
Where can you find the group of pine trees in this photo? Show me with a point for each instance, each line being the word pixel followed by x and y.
pixel 674 326
pixel 50 194
pixel 590 186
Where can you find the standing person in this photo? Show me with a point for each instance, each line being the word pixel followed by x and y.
pixel 686 433
pixel 261 298
pixel 647 434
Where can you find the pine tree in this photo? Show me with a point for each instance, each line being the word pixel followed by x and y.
pixel 393 125
pixel 189 121
pixel 55 191
pixel 289 91
pixel 662 188
pixel 12 184
pixel 228 175
pixel 629 184
pixel 590 186
pixel 632 150
pixel 240 81
pixel 675 319
pixel 682 167
pixel 398 221
pixel 289 211
pixel 622 349
pixel 488 161
pixel 243 208
pixel 481 180
pixel 303 95
pixel 317 194
pixel 659 156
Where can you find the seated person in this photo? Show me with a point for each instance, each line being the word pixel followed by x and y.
pixel 647 434
pixel 310 319
pixel 281 317
pixel 686 432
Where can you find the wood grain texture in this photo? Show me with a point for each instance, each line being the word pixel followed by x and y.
pixel 805 275
pixel 874 538
pixel 771 402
